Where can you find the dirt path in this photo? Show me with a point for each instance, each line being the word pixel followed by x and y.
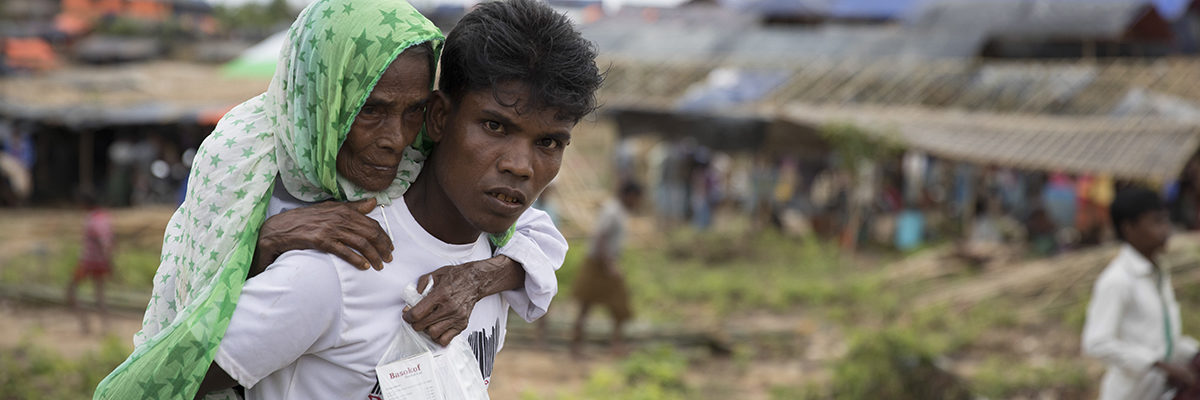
pixel 1046 279
pixel 58 329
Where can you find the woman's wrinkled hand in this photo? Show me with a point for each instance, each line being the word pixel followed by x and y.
pixel 446 309
pixel 337 228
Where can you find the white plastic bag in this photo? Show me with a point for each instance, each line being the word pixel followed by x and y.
pixel 414 367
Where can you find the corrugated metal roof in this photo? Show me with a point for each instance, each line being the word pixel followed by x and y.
pixel 1134 119
pixel 1031 18
pixel 1124 148
pixel 1065 88
pixel 661 43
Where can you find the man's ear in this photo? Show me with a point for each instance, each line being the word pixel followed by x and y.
pixel 439 115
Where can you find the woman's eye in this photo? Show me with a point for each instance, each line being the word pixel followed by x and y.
pixel 492 126
pixel 369 110
pixel 415 114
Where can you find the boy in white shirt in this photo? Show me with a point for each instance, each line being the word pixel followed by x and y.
pixel 600 281
pixel 1133 319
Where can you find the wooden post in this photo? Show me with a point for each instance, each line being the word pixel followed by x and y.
pixel 970 198
pixel 86 151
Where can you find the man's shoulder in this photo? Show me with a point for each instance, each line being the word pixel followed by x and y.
pixel 1114 276
pixel 612 210
pixel 294 258
pixel 310 270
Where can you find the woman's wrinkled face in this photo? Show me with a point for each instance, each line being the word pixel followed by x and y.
pixel 388 122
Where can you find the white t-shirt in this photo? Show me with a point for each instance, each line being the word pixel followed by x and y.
pixel 314 327
pixel 536 244
pixel 609 236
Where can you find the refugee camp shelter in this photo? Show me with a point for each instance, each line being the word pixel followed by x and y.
pixel 1053 28
pixel 1134 149
pixel 75 115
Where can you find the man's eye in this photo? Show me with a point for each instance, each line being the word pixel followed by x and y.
pixel 493 126
pixel 549 143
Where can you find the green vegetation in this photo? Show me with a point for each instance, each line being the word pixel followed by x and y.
pixel 255 17
pixel 32 372
pixel 690 279
pixel 896 362
pixel 939 351
pixel 855 145
pixel 1003 378
pixel 133 268
pixel 651 374
pixel 723 274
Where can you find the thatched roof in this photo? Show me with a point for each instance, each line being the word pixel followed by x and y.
pixel 152 93
pixel 1124 148
pixel 1058 88
pixel 1134 119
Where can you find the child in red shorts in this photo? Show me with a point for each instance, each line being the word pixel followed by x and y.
pixel 95 259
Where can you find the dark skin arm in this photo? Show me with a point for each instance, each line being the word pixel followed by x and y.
pixel 216 379
pixel 343 229
pixel 1178 374
pixel 446 309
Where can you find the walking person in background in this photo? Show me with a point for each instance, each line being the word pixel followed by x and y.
pixel 601 281
pixel 95 260
pixel 1133 318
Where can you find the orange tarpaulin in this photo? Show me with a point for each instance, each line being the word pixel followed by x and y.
pixel 212 116
pixel 71 24
pixel 30 53
pixel 148 9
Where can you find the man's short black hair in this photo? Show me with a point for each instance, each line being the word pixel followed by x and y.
pixel 522 41
pixel 1131 204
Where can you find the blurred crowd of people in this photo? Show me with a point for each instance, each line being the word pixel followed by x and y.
pixel 902 202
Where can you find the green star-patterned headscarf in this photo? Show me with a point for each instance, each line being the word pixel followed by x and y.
pixel 334 54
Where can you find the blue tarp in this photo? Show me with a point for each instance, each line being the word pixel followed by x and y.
pixel 727 88
pixel 871 9
pixel 1171 9
pixel 1168 9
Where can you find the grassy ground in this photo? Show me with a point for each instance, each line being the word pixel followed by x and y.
pixel 29 371
pixel 788 318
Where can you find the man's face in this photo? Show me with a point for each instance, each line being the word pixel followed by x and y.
pixel 388 122
pixel 1149 232
pixel 494 158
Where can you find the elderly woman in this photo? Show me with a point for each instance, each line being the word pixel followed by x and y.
pixel 336 122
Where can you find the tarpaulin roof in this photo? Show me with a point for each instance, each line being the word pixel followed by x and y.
pixel 1128 148
pixel 1047 19
pixel 152 93
pixel 881 9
